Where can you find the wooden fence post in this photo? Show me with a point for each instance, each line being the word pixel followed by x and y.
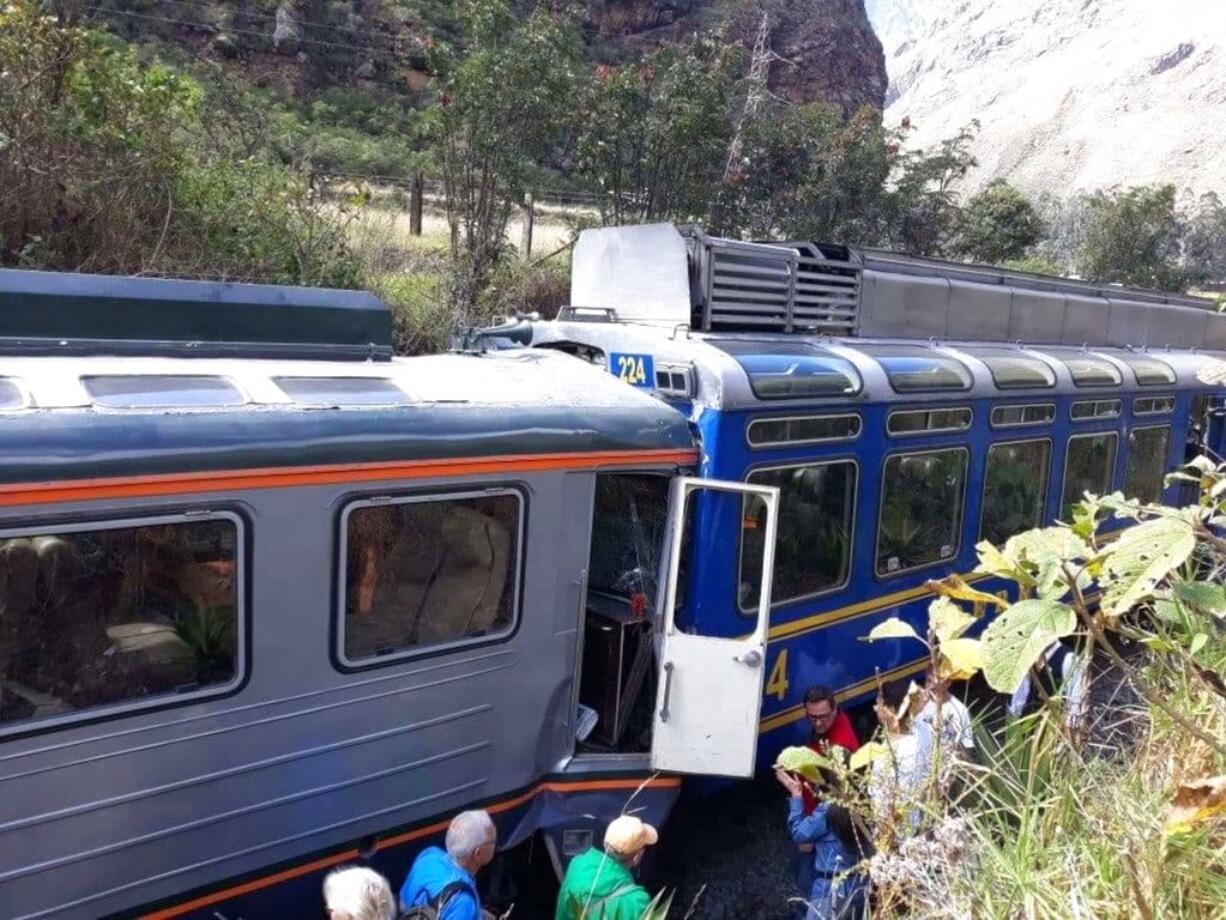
pixel 415 195
pixel 528 214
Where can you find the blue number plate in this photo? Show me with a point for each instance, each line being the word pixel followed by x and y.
pixel 636 370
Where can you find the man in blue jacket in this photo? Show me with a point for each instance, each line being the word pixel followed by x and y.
pixel 447 880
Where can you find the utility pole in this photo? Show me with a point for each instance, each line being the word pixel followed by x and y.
pixel 759 74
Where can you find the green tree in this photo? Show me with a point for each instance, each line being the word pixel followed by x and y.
pixel 1204 242
pixel 502 104
pixel 1132 237
pixel 996 225
pixel 924 207
pixel 653 136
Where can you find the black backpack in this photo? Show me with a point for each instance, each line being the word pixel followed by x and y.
pixel 1049 674
pixel 433 909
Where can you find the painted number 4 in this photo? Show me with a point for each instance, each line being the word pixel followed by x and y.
pixel 777 686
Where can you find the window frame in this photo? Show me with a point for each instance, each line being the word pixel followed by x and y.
pixel 279 379
pixel 1119 410
pixel 869 351
pixel 1169 428
pixel 851 531
pixel 160 701
pixel 1068 446
pixel 354 503
pixel 1001 426
pixel 1000 351
pixel 970 421
pixel 776 445
pixel 1167 400
pixel 244 398
pixel 966 478
pixel 1046 490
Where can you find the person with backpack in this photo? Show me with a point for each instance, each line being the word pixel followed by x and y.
pixel 443 885
pixel 1061 675
pixel 599 884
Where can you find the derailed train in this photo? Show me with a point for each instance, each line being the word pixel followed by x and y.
pixel 273 600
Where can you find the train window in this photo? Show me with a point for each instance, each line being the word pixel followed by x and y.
pixel 1017 416
pixel 1089 466
pixel 1014 488
pixel 110 616
pixel 792 370
pixel 915 369
pixel 426 571
pixel 921 509
pixel 326 392
pixel 161 391
pixel 1095 409
pixel 1153 405
pixel 1015 370
pixel 1145 466
pixel 11 395
pixel 813 545
pixel 1090 370
pixel 631 512
pixel 1150 372
pixel 928 421
pixel 804 429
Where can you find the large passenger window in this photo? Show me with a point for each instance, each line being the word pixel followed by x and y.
pixel 1089 466
pixel 921 509
pixel 429 571
pixel 1014 489
pixel 813 544
pixel 1145 467
pixel 104 616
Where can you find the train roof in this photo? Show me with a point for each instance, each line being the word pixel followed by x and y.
pixel 70 410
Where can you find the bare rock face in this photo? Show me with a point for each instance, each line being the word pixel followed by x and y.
pixel 824 49
pixel 285 37
pixel 1071 95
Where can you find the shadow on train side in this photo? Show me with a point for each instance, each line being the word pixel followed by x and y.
pixel 274 601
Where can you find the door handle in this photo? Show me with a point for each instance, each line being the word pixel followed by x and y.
pixel 668 689
pixel 752 658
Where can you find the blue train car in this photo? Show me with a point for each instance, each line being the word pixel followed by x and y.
pixel 905 409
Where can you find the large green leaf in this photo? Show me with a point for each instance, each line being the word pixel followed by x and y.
pixel 1202 594
pixel 1045 552
pixel 1015 639
pixel 804 761
pixel 1141 558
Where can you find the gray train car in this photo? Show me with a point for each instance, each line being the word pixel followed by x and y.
pixel 272 600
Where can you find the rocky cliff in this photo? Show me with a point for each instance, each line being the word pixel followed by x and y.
pixel 822 49
pixel 1070 94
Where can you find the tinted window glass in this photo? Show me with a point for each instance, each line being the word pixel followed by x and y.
pixel 928 420
pixel 154 392
pixel 914 369
pixel 628 534
pixel 11 396
pixel 813 546
pixel 1102 408
pixel 1014 489
pixel 1150 372
pixel 1091 371
pixel 1014 416
pixel 921 509
pixel 791 370
pixel 1089 466
pixel 1014 370
pixel 1153 405
pixel 767 432
pixel 118 615
pixel 1145 465
pixel 422 573
pixel 342 391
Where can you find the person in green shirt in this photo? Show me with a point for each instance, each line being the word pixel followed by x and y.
pixel 599 884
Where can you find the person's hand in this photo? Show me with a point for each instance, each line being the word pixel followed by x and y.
pixel 805 847
pixel 788 781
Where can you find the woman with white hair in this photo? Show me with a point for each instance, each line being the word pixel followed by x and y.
pixel 358 893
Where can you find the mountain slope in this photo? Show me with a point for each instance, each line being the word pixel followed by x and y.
pixel 1071 95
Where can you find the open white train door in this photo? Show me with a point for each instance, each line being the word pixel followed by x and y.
pixel 710 688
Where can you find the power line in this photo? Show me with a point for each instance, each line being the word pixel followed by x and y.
pixel 270 17
pixel 387 53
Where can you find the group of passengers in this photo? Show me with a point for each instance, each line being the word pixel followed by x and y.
pixel 924 729
pixel 833 838
pixel 442 883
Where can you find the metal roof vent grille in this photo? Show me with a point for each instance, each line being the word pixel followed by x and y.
pixel 785 288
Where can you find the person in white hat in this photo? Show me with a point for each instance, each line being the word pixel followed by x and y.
pixel 600 885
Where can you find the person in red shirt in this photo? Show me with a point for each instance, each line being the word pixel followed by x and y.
pixel 829 727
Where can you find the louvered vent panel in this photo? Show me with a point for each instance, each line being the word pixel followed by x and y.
pixel 827 292
pixel 749 286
